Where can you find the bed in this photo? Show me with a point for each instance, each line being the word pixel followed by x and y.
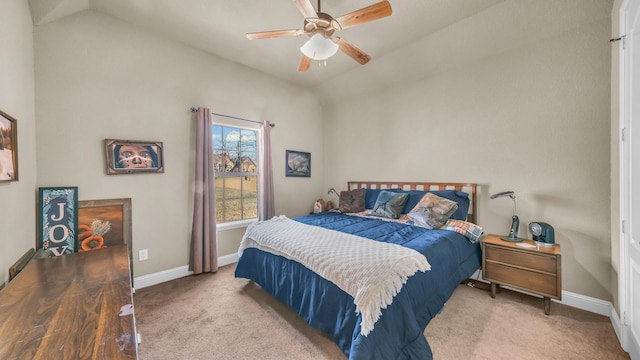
pixel 317 282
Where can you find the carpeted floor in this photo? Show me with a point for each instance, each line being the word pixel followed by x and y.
pixel 216 316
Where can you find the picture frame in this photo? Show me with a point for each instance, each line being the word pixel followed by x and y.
pixel 297 164
pixel 57 220
pixel 8 147
pixel 103 223
pixel 133 156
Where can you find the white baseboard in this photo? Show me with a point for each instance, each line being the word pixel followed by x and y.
pixel 587 303
pixel 160 277
pixel 578 301
pixel 597 306
pixel 616 323
pixel 228 259
pixel 175 273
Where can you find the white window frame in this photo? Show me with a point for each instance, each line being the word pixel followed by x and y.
pixel 259 149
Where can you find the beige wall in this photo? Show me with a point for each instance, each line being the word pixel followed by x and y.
pixel 524 89
pixel 532 116
pixel 17 216
pixel 98 77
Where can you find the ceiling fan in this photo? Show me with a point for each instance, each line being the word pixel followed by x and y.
pixel 320 27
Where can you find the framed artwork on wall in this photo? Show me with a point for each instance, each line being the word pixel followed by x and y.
pixel 298 163
pixel 104 223
pixel 58 220
pixel 8 147
pixel 133 156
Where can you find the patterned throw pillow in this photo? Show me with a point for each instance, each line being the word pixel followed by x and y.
pixel 389 204
pixel 472 231
pixel 352 201
pixel 432 211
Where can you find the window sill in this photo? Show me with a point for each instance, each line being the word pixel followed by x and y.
pixel 235 224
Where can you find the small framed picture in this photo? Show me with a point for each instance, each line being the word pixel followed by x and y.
pixel 58 220
pixel 298 163
pixel 104 223
pixel 8 148
pixel 133 156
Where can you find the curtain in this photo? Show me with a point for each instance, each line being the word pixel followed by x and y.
pixel 204 249
pixel 269 208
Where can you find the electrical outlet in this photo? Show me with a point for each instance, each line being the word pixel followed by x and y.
pixel 143 255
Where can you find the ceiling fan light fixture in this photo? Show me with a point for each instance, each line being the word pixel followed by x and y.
pixel 319 48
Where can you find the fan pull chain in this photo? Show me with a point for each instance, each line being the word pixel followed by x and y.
pixel 322 63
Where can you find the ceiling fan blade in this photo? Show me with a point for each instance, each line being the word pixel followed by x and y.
pixel 364 15
pixel 305 63
pixel 306 8
pixel 274 34
pixel 352 51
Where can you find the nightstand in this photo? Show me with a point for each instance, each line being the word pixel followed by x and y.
pixel 523 265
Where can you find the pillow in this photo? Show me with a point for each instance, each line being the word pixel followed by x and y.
pixel 421 218
pixel 432 211
pixel 414 198
pixel 461 197
pixel 352 201
pixel 389 204
pixel 472 231
pixel 371 195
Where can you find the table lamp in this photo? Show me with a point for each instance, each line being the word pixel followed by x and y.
pixel 515 221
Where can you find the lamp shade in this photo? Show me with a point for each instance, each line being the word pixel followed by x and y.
pixel 319 48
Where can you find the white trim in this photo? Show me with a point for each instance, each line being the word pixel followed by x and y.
pixel 228 259
pixel 577 301
pixel 235 224
pixel 616 323
pixel 175 273
pixel 628 341
pixel 160 277
pixel 587 303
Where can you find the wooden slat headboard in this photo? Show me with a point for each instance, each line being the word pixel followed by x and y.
pixel 469 188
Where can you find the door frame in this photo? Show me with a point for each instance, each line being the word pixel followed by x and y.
pixel 624 277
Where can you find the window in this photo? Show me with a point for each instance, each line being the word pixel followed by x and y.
pixel 236 170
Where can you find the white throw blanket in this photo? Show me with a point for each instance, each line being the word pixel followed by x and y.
pixel 372 272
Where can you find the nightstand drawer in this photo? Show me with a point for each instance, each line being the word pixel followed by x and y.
pixel 542 283
pixel 528 260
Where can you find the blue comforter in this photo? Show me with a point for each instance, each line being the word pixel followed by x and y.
pixel 398 334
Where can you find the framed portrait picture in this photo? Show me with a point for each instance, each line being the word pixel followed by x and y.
pixel 8 147
pixel 58 220
pixel 104 223
pixel 298 163
pixel 133 156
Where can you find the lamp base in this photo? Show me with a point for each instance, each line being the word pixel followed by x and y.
pixel 511 239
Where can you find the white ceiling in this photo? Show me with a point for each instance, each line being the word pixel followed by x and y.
pixel 219 27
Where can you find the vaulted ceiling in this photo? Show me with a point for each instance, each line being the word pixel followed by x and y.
pixel 219 26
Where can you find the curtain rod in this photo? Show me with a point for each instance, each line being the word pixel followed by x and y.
pixel 195 109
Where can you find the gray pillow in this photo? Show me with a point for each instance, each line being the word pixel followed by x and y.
pixel 389 204
pixel 432 211
pixel 351 201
